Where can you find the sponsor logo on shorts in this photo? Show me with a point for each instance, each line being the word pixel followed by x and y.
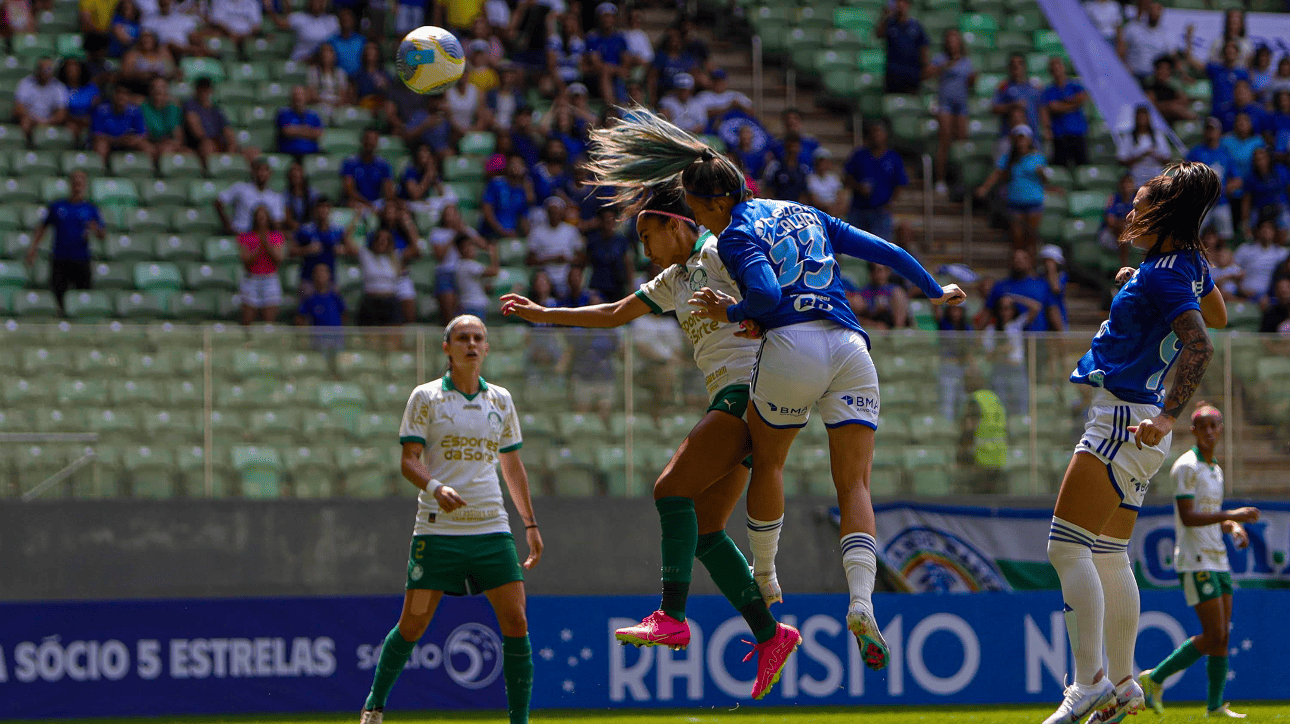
pixel 473 656
pixel 788 411
pixel 932 559
pixel 868 404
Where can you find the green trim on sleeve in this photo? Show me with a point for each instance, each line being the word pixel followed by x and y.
pixel 412 438
pixel 648 302
pixel 512 448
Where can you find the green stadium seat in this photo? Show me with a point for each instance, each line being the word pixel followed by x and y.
pixel 194 68
pixel 180 166
pixel 367 471
pixel 126 247
pixel 157 275
pixel 275 427
pixel 1047 41
pixel 193 306
pixel 178 248
pixel 1013 41
pixel 90 362
pixel 114 426
pixel 351 118
pixel 113 275
pixel 13 274
pixel 53 138
pixel 140 305
pixel 145 220
pixel 82 393
pixel 28 164
pixel 320 165
pixel 1087 204
pixel 173 426
pixel 311 469
pixel 204 192
pixel 114 192
pixel 161 192
pixel 35 304
pixel 151 471
pixel 52 189
pixel 229 166
pixel 87 305
pixel 20 191
pixel 127 393
pixel 824 61
pixel 1103 178
pixel 129 164
pixel 376 428
pixel 340 141
pixel 463 168
pixel 871 60
pixel 11 136
pixel 895 105
pixel 211 277
pixel 477 143
pixel 247 72
pixel 979 23
pixel 290 72
pixel 257 116
pixel 273 93
pixel 200 221
pixel 260 469
pixel 222 249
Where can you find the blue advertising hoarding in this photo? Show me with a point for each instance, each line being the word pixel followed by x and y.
pixel 65 660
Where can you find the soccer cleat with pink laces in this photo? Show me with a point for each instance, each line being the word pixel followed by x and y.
pixel 771 657
pixel 658 629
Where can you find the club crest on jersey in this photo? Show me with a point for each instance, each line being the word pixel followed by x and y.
pixel 494 422
pixel 698 279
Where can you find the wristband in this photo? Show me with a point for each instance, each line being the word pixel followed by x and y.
pixel 530 526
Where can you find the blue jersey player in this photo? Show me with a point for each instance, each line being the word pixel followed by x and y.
pixel 1157 321
pixel 814 351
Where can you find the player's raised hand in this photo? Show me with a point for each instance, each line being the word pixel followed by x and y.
pixel 534 539
pixel 1125 274
pixel 1151 432
pixel 448 499
pixel 709 303
pixel 1248 514
pixel 522 307
pixel 1239 536
pixel 951 295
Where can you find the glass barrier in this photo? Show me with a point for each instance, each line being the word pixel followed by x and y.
pixel 160 411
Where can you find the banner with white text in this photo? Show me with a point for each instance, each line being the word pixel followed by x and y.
pixel 165 658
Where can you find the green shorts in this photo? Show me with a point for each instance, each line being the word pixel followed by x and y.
pixel 463 565
pixel 1201 586
pixel 733 399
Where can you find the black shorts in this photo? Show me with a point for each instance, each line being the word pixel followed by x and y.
pixel 1070 151
pixel 378 311
pixel 67 274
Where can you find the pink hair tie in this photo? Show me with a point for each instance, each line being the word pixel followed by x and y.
pixel 1206 411
pixel 668 214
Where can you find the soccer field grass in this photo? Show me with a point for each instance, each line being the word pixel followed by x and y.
pixel 1182 712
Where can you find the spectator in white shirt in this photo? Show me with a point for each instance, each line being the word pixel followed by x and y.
pixel 244 196
pixel 1107 16
pixel 721 98
pixel 682 107
pixel 556 245
pixel 237 19
pixel 40 99
pixel 1139 43
pixel 473 276
pixel 824 185
pixel 313 27
pixel 639 44
pixel 1259 259
pixel 173 29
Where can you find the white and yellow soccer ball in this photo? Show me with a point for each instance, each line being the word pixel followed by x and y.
pixel 430 59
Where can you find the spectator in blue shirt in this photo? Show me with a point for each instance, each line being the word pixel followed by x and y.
pixel 319 241
pixel 786 179
pixel 752 156
pixel 506 202
pixel 348 42
pixel 119 126
pixel 1278 123
pixel 1223 77
pixel 607 48
pixel 553 177
pixel 1116 216
pixel 73 220
pixel 299 128
pixel 1017 93
pixel 792 120
pixel 906 48
pixel 1064 100
pixel 1212 153
pixel 1243 102
pixel 367 178
pixel 1265 191
pixel 1023 282
pixel 874 174
pixel 323 306
pixel 671 60
pixel 1026 170
pixel 610 256
pixel 1240 145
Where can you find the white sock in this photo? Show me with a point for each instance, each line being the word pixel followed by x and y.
pixel 860 561
pixel 1070 552
pixel 763 539
pixel 1120 591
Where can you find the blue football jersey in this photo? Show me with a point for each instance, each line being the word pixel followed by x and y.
pixel 1136 346
pixel 798 242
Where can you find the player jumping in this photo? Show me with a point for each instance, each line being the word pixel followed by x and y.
pixel 1200 557
pixel 1157 318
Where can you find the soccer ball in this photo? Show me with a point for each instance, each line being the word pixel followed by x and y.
pixel 430 59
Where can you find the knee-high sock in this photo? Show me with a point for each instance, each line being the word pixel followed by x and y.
pixel 860 561
pixel 1121 604
pixel 517 670
pixel 1181 658
pixel 1070 552
pixel 729 570
pixel 394 654
pixel 680 535
pixel 763 539
pixel 1216 667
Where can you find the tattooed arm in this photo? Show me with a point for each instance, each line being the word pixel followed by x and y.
pixel 1194 356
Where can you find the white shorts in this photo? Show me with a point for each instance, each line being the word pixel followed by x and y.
pixel 261 290
pixel 403 289
pixel 815 363
pixel 1107 437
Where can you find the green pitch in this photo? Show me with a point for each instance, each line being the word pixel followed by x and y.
pixel 1180 712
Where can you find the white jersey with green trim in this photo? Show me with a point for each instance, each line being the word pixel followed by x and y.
pixel 463 436
pixel 1198 548
pixel 723 358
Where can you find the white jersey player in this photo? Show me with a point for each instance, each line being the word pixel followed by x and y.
pixel 456 431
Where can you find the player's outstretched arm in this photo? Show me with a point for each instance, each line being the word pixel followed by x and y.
pixel 1196 352
pixel 517 482
pixel 1192 518
pixel 1214 309
pixel 607 315
pixel 849 240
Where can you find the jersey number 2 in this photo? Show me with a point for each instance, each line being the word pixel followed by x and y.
pixel 791 253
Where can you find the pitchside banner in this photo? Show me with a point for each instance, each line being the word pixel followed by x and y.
pixel 947 548
pixel 66 660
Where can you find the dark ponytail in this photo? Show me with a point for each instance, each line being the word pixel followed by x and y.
pixel 1178 201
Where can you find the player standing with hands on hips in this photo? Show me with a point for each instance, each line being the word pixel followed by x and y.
pixel 1158 318
pixel 461 543
pixel 814 352
pixel 1200 557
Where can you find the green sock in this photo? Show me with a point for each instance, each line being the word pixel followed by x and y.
pixel 729 570
pixel 1216 667
pixel 394 654
pixel 517 670
pixel 680 535
pixel 1184 656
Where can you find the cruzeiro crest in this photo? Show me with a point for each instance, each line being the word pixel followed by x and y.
pixel 698 279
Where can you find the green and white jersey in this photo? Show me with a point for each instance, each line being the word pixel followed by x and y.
pixel 1198 548
pixel 463 435
pixel 723 358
